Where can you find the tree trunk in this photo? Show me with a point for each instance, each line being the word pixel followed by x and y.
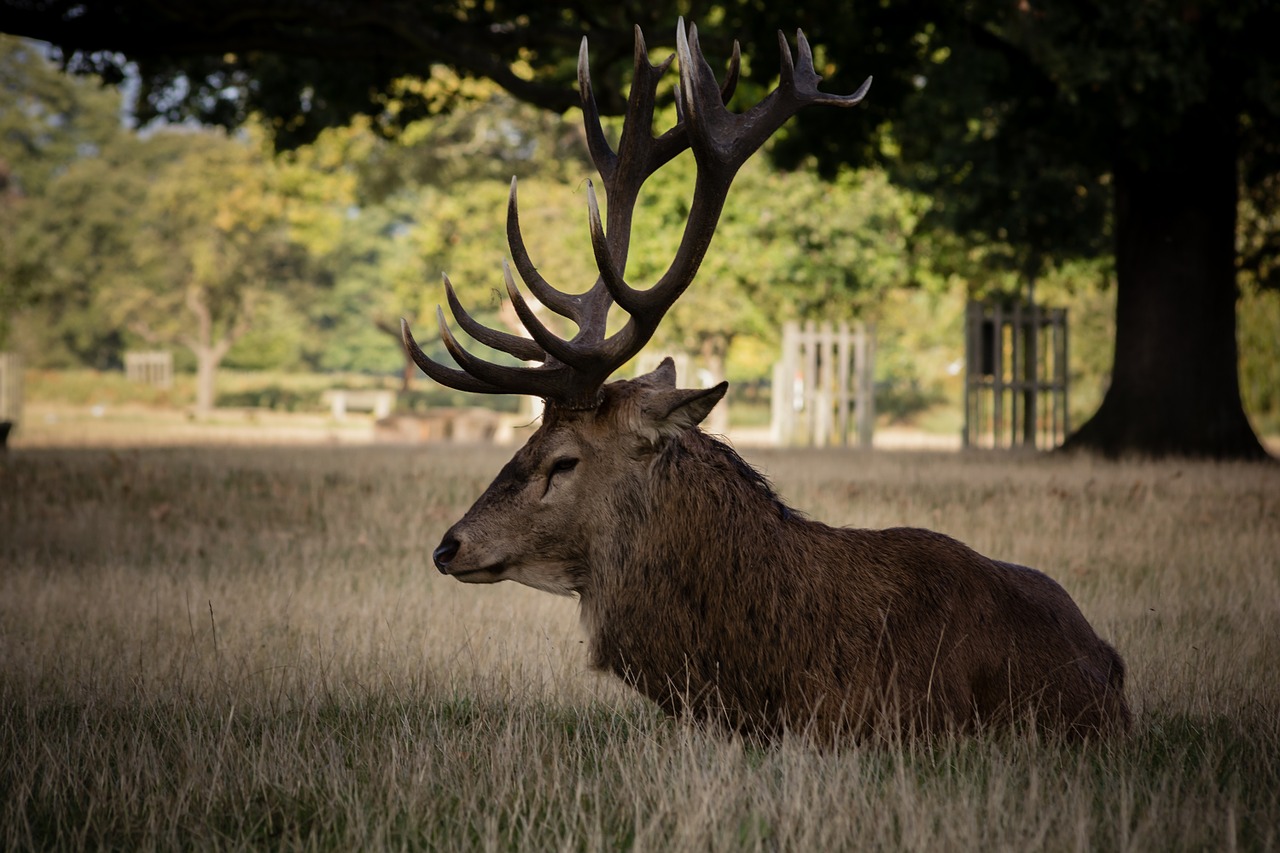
pixel 410 369
pixel 1175 385
pixel 208 351
pixel 206 373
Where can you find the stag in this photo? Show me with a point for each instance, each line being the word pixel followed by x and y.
pixel 697 584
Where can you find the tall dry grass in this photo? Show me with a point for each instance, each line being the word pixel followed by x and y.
pixel 249 648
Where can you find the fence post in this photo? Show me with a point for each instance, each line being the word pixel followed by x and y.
pixel 808 376
pixel 844 355
pixel 971 329
pixel 784 386
pixel 865 399
pixel 1064 378
pixel 822 402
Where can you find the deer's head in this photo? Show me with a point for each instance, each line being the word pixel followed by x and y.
pixel 578 479
pixel 561 492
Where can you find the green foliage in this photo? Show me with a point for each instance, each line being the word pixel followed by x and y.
pixel 75 240
pixel 1012 117
pixel 275 397
pixel 1009 115
pixel 48 119
pixel 277 338
pixel 325 247
pixel 49 123
pixel 1259 337
pixel 85 388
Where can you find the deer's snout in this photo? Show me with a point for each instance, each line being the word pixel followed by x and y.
pixel 445 552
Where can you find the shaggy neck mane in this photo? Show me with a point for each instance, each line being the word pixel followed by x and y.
pixel 694 571
pixel 697 461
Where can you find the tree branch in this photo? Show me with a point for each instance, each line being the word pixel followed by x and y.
pixel 399 37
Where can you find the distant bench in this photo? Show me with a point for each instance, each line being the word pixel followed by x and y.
pixel 342 400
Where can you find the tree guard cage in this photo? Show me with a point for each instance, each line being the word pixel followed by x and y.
pixel 1015 390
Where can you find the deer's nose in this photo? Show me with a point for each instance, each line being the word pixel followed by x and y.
pixel 445 552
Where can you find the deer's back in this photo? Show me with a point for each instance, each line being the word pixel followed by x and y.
pixel 766 620
pixel 961 639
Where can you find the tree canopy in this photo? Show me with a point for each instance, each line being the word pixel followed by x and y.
pixel 191 238
pixel 1049 130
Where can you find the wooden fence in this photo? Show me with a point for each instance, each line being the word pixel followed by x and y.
pixel 822 387
pixel 1016 377
pixel 152 367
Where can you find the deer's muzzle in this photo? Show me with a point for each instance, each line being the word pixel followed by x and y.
pixel 445 552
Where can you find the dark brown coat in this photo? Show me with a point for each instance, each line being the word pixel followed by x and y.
pixel 703 590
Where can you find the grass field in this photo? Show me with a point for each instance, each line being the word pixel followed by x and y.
pixel 248 648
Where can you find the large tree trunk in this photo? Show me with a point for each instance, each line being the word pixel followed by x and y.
pixel 1175 385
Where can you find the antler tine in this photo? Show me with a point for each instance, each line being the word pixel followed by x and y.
pixel 720 137
pixel 597 145
pixel 448 376
pixel 721 143
pixel 731 76
pixel 812 78
pixel 694 72
pixel 613 281
pixel 561 303
pixel 559 349
pixel 522 348
pixel 541 381
pixel 573 371
pixel 787 67
pixel 802 48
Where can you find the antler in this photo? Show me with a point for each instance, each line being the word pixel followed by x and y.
pixel 572 371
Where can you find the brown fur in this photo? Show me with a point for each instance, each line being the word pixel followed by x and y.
pixel 703 590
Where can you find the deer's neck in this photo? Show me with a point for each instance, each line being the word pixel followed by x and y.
pixel 698 561
pixel 707 516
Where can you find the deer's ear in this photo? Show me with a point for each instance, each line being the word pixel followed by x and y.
pixel 664 375
pixel 692 407
pixel 677 410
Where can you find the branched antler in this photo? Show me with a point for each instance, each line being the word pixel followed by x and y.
pixel 572 371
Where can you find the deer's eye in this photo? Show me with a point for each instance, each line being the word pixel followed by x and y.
pixel 561 466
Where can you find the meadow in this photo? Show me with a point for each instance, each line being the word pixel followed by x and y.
pixel 247 648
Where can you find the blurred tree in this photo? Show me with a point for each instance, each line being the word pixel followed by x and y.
pixel 213 240
pixel 307 65
pixel 48 122
pixel 48 119
pixel 790 246
pixel 1058 129
pixel 176 238
pixel 75 238
pixel 1259 331
pixel 1072 129
pixel 432 199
